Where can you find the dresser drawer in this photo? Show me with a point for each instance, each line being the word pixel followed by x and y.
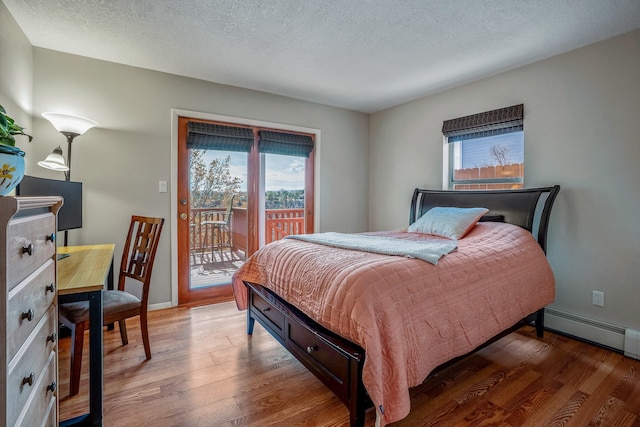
pixel 41 408
pixel 264 309
pixel 327 362
pixel 28 302
pixel 29 245
pixel 27 368
pixel 51 419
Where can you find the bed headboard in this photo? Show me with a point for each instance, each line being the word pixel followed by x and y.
pixel 528 208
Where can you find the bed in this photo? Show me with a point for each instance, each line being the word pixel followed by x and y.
pixel 371 325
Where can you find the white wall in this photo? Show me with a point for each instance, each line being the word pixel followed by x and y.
pixel 16 74
pixel 582 131
pixel 121 162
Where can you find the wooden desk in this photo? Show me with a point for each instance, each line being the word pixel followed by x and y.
pixel 81 277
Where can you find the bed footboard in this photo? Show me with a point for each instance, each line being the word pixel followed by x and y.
pixel 334 360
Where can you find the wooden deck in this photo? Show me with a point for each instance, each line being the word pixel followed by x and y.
pixel 211 267
pixel 215 269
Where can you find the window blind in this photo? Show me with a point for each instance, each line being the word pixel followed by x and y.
pixel 211 136
pixel 290 144
pixel 489 123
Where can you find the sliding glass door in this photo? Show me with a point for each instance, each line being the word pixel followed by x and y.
pixel 239 188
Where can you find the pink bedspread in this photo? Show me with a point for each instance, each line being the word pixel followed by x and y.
pixel 409 316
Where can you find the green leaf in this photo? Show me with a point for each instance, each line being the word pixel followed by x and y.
pixel 8 140
pixel 14 129
pixel 9 128
pixel 3 122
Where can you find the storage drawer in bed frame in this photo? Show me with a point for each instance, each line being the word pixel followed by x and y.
pixel 332 359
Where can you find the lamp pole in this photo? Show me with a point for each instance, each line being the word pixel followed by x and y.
pixel 70 136
pixel 67 174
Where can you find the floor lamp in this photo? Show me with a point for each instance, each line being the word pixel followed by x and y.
pixel 71 127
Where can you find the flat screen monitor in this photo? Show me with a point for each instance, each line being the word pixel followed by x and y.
pixel 70 214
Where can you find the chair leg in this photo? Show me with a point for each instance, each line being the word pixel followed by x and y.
pixel 77 343
pixel 145 334
pixel 229 242
pixel 192 238
pixel 216 241
pixel 207 241
pixel 123 332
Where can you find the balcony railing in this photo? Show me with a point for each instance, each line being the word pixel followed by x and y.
pixel 283 222
pixel 278 224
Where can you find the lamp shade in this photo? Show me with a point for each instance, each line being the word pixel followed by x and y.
pixel 68 123
pixel 54 161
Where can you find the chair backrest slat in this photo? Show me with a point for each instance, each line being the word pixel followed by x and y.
pixel 140 251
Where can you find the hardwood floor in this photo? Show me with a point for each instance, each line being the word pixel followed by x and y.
pixel 206 371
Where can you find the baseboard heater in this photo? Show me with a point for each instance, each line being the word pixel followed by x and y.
pixel 614 337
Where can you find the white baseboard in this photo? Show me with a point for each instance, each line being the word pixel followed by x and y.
pixel 160 306
pixel 602 333
pixel 632 343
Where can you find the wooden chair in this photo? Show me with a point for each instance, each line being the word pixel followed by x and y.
pixel 136 266
pixel 220 231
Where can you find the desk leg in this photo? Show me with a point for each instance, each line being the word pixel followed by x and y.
pixel 95 359
pixel 94 417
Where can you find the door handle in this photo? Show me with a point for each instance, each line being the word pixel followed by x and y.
pixel 183 216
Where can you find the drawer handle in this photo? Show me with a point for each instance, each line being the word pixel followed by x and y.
pixel 52 337
pixel 52 387
pixel 28 315
pixel 51 237
pixel 29 380
pixel 50 288
pixel 28 249
pixel 312 348
pixel 264 310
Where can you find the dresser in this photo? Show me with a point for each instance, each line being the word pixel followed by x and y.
pixel 28 312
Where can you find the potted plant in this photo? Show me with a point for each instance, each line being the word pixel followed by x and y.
pixel 11 157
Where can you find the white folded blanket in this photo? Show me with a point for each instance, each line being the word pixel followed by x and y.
pixel 430 251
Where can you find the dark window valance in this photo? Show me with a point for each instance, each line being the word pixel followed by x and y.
pixel 211 136
pixel 489 123
pixel 290 144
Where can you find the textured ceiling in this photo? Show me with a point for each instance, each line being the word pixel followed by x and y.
pixel 364 55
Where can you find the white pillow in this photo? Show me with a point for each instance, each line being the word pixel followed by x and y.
pixel 453 223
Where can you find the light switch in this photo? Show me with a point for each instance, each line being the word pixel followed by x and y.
pixel 162 186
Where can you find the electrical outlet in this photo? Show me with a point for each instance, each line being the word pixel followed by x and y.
pixel 597 298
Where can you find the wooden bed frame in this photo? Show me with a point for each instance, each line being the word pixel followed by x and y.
pixel 338 362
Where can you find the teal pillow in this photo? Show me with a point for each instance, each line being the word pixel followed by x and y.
pixel 449 222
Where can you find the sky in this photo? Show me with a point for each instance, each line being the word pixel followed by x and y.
pixel 282 172
pixel 475 153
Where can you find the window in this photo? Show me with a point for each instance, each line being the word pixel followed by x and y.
pixel 485 151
